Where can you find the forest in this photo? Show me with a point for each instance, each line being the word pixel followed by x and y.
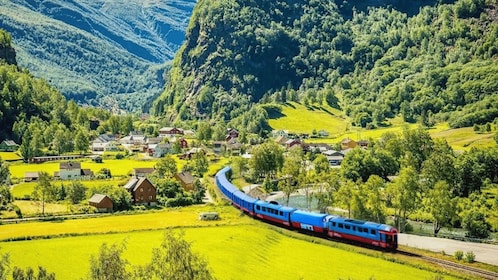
pixel 431 66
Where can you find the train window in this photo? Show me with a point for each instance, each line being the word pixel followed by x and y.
pixel 354 228
pixel 347 226
pixel 372 231
pixel 264 209
pixel 360 229
pixel 257 207
pixel 281 213
pixel 333 224
pixel 341 226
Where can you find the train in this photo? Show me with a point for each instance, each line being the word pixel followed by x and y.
pixel 330 226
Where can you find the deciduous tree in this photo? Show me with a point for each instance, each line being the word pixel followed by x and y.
pixel 109 264
pixel 441 205
pixel 44 191
pixel 175 260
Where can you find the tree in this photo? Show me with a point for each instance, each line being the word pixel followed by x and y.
pixel 25 148
pixel 474 222
pixel 76 192
pixel 81 141
pixel 43 274
pixel 344 195
pixel 198 192
pixel 175 260
pixel 166 167
pixel 374 188
pixel 291 171
pixel 44 191
pixel 109 264
pixel 267 159
pixel 4 173
pixel 4 266
pixel 439 166
pixel 204 131
pixel 404 195
pixel 200 164
pixel 441 205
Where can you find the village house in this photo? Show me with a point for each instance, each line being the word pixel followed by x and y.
pixel 72 170
pixel 348 143
pixel 159 150
pixel 335 158
pixel 186 179
pixel 8 146
pixel 142 191
pixel 170 132
pixel 31 176
pixel 231 134
pixel 143 172
pixel 102 202
pixel 279 132
pixel 234 147
pixel 218 147
pixel 190 153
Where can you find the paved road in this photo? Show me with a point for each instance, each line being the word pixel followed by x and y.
pixel 485 253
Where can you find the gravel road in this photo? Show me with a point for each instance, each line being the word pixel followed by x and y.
pixel 485 253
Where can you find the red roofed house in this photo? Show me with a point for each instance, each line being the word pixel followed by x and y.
pixel 142 191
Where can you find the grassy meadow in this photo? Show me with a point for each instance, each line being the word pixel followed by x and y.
pixel 236 247
pixel 300 119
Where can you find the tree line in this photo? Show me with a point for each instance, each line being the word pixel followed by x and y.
pixel 406 175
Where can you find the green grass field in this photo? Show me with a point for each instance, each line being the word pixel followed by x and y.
pixel 300 119
pixel 233 252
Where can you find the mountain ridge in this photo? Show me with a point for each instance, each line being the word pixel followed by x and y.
pixel 96 51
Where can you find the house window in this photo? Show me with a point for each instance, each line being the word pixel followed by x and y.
pixel 142 190
pixel 150 198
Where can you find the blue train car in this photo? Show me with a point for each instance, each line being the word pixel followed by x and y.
pixel 244 202
pixel 273 212
pixel 370 233
pixel 310 221
pixel 224 185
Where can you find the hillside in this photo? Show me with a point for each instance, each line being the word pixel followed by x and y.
pixel 430 63
pixel 95 49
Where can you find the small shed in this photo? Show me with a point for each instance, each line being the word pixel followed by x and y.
pixel 102 202
pixel 209 216
pixel 31 176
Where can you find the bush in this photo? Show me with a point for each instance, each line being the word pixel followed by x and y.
pixel 119 156
pixel 458 255
pixel 408 227
pixel 470 257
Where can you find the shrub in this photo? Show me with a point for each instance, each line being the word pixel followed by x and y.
pixel 458 255
pixel 470 257
pixel 119 156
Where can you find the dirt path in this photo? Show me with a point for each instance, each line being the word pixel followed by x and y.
pixel 485 253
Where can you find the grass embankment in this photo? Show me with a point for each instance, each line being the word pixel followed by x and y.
pixel 250 250
pixel 298 118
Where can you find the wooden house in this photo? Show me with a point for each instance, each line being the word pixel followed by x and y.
pixel 102 202
pixel 142 191
pixel 8 146
pixel 186 179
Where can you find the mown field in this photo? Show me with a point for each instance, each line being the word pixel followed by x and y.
pixel 9 156
pixel 236 247
pixel 305 120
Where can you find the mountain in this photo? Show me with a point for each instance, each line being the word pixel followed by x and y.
pixel 98 51
pixel 429 61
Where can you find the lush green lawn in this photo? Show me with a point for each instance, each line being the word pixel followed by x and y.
pixel 233 252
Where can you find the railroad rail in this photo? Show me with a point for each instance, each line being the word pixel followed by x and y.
pixel 484 274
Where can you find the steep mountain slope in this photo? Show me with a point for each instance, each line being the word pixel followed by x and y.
pixel 93 48
pixel 430 63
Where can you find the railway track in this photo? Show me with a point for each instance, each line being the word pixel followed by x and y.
pixel 484 274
